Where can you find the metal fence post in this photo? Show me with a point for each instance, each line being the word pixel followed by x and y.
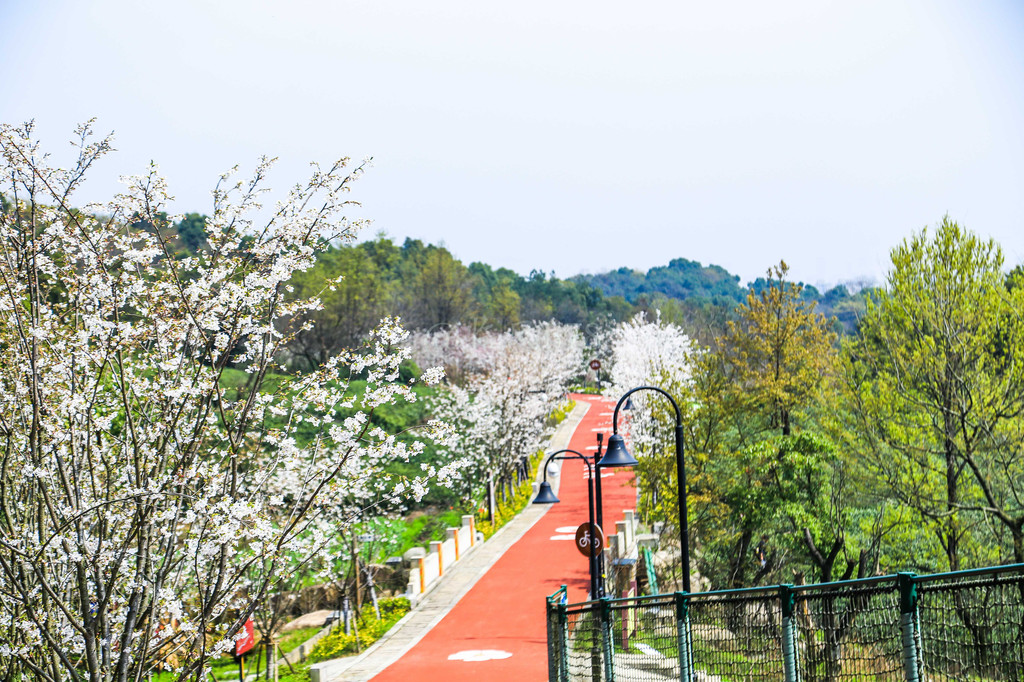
pixel 552 620
pixel 685 639
pixel 909 626
pixel 790 664
pixel 609 643
pixel 563 640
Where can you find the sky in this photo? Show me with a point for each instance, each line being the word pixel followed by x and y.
pixel 562 136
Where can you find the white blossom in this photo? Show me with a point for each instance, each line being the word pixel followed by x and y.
pixel 509 382
pixel 647 353
pixel 154 488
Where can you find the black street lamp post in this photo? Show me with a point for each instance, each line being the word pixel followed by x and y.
pixel 617 451
pixel 546 496
pixel 600 513
pixel 600 463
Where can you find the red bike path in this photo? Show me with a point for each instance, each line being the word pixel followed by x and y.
pixel 497 630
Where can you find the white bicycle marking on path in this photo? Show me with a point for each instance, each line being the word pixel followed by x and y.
pixel 474 655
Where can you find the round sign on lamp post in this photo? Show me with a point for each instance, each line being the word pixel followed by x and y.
pixel 595 365
pixel 589 540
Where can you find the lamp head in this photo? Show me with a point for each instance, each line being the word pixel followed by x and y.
pixel 616 455
pixel 629 404
pixel 544 495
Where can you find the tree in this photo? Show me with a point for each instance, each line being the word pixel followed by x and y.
pixel 440 291
pixel 504 307
pixel 513 382
pixel 353 299
pixel 779 351
pixel 192 230
pixel 775 360
pixel 149 494
pixel 935 381
pixel 764 481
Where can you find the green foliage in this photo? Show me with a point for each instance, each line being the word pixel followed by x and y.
pixel 367 631
pixel 430 288
pixel 767 488
pixel 935 390
pixel 680 279
pixel 192 231
pixel 423 529
pixel 299 672
pixel 587 390
pixel 559 414
pixel 440 294
pixel 779 352
pixel 355 297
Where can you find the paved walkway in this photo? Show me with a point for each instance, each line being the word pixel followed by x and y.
pixel 578 430
pixel 485 619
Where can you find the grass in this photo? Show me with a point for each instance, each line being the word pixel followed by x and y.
pixel 226 668
pixel 291 640
pixel 299 672
pixel 421 530
pixel 222 668
pixel 586 390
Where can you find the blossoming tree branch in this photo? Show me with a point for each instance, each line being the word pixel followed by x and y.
pixel 148 503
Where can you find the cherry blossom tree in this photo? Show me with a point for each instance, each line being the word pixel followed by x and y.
pixel 157 472
pixel 648 353
pixel 459 350
pixel 512 381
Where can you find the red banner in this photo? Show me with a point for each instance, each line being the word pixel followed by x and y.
pixel 245 643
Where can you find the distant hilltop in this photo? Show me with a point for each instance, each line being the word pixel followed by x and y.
pixel 713 285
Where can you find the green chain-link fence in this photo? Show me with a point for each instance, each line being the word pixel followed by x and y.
pixel 950 627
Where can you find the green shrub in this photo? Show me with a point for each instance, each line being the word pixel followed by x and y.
pixel 506 511
pixel 368 630
pixel 561 411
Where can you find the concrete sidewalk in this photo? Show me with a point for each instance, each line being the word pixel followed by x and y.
pixel 448 591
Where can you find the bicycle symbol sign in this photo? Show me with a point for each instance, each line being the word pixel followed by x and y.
pixel 589 540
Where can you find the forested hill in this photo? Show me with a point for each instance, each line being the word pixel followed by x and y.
pixel 680 279
pixel 430 288
pixel 711 286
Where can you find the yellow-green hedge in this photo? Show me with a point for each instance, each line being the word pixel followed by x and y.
pixel 507 510
pixel 369 629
